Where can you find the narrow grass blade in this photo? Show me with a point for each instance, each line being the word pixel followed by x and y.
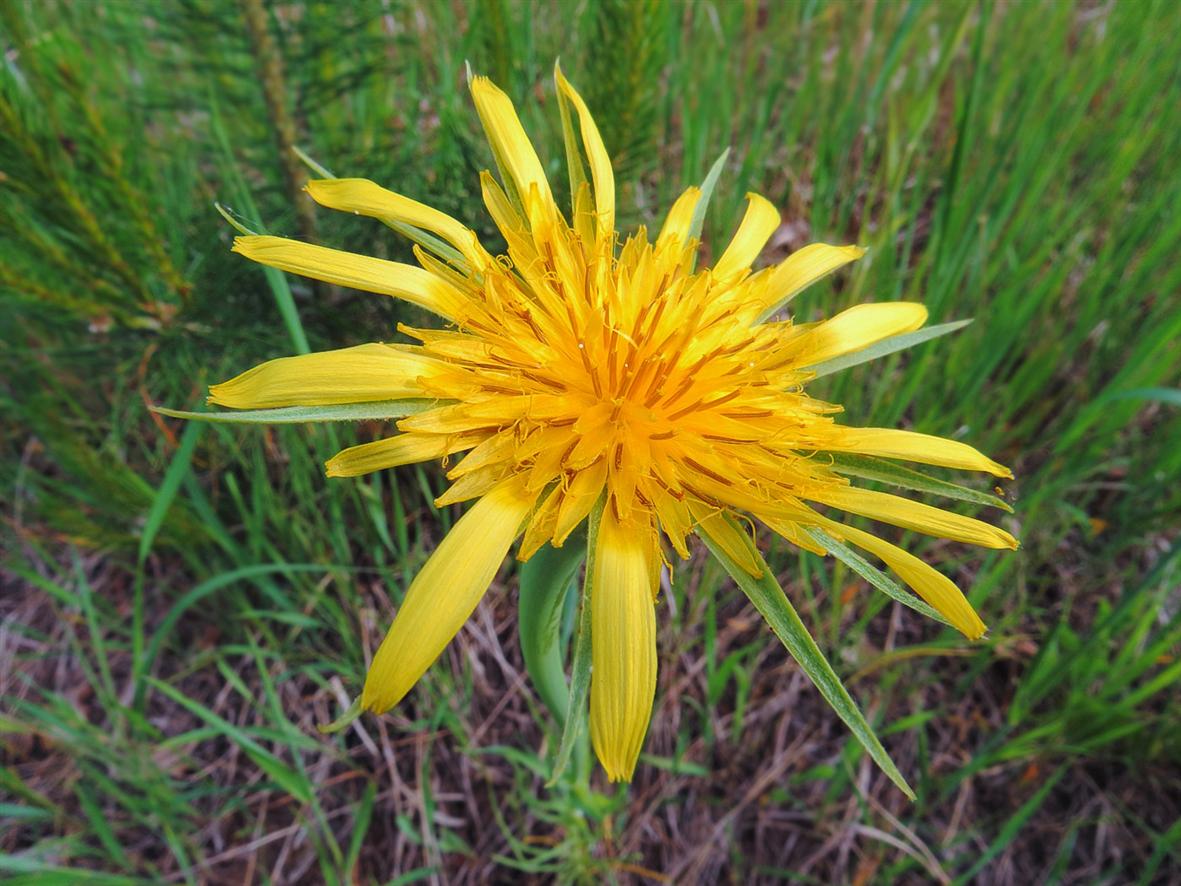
pixel 276 280
pixel 772 603
pixel 282 774
pixel 871 574
pixel 1172 396
pixel 1012 827
pixel 288 415
pixel 545 581
pixel 166 492
pixel 204 589
pixel 888 346
pixel 361 821
pixel 869 468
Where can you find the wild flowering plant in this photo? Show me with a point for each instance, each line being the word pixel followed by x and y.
pixel 595 379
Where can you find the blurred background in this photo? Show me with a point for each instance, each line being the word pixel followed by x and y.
pixel 181 604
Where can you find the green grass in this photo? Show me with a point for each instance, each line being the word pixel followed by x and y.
pixel 182 605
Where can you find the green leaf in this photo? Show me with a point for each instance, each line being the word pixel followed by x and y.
pixel 887 346
pixel 288 415
pixel 580 667
pixel 869 468
pixel 545 581
pixel 768 597
pixel 707 192
pixel 880 580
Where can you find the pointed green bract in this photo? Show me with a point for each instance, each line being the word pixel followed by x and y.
pixel 425 239
pixel 707 192
pixel 768 597
pixel 289 415
pixel 574 165
pixel 872 468
pixel 885 347
pixel 871 574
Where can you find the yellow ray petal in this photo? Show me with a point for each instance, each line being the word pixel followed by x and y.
pixel 445 592
pixel 541 525
pixel 911 446
pixel 792 532
pixel 674 518
pixel 803 268
pixel 361 196
pixel 729 539
pixel 360 374
pixel 855 329
pixel 680 218
pixel 514 152
pixel 623 645
pixel 584 491
pixel 936 589
pixel 356 271
pixel 899 511
pixel 596 152
pixel 758 224
pixel 473 485
pixel 405 449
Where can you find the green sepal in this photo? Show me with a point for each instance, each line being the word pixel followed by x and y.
pixel 886 346
pixel 872 574
pixel 573 144
pixel 769 599
pixel 707 192
pixel 425 239
pixel 288 415
pixel 870 468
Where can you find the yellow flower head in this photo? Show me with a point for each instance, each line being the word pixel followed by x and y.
pixel 578 370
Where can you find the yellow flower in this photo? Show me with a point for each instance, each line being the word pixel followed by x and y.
pixel 575 370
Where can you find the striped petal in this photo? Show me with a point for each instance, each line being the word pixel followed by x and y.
pixel 623 645
pixel 899 511
pixel 444 593
pixel 714 524
pixel 911 446
pixel 584 490
pixel 363 197
pixel 596 152
pixel 758 224
pixel 403 281
pixel 392 452
pixel 679 221
pixel 855 329
pixel 360 374
pixel 936 589
pixel 510 145
pixel 803 268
